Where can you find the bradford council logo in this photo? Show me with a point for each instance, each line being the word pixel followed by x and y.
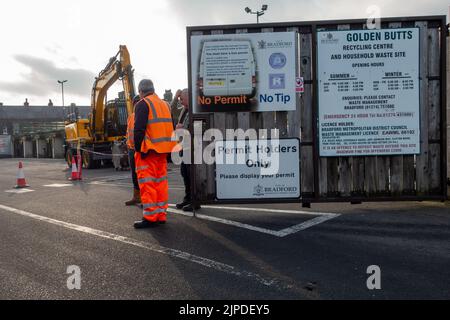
pixel 328 38
pixel 262 44
pixel 258 189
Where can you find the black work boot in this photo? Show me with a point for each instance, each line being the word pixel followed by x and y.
pixel 190 207
pixel 144 223
pixel 185 202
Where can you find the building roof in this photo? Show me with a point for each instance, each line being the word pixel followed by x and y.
pixel 40 113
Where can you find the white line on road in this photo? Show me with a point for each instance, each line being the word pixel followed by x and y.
pixel 112 178
pixel 18 191
pixel 225 221
pixel 58 185
pixel 314 213
pixel 218 266
pixel 125 184
pixel 307 224
pixel 119 184
pixel 281 233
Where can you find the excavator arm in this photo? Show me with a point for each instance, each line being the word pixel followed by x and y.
pixel 115 69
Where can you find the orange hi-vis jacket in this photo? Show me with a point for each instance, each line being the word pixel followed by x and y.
pixel 130 132
pixel 159 134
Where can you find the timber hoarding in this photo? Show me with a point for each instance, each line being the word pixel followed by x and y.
pixel 413 172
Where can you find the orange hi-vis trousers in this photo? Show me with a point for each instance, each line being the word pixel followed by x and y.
pixel 153 183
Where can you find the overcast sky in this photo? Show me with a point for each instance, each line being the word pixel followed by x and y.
pixel 47 40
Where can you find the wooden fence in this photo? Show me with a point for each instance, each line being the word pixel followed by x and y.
pixel 355 178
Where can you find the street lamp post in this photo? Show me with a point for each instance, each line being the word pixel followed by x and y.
pixel 258 13
pixel 62 89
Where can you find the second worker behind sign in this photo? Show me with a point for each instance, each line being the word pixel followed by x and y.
pixel 183 123
pixel 153 137
pixel 130 144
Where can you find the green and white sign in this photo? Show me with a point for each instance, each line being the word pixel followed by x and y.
pixel 368 92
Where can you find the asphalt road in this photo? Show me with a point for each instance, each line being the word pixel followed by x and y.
pixel 223 253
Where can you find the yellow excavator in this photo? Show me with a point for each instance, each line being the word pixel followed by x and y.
pixel 101 138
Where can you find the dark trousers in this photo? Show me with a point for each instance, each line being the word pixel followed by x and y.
pixel 186 174
pixel 133 169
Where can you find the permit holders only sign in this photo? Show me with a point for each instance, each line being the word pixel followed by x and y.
pixel 258 169
pixel 243 72
pixel 368 87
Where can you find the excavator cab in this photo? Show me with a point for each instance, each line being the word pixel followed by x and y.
pixel 116 116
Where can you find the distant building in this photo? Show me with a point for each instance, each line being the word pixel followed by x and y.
pixel 37 131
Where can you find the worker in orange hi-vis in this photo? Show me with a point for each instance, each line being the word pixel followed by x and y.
pixel 154 138
pixel 136 199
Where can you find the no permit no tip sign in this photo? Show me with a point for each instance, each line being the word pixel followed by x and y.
pixel 299 85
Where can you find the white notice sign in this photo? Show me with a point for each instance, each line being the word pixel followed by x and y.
pixel 243 72
pixel 368 92
pixel 258 169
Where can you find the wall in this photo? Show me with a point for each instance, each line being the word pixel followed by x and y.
pixel 6 149
pixel 41 147
pixel 28 148
pixel 58 149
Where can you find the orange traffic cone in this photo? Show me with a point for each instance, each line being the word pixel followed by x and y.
pixel 74 170
pixel 21 183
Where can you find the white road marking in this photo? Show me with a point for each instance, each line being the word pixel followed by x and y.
pixel 307 224
pixel 313 213
pixel 18 191
pixel 112 178
pixel 123 184
pixel 218 266
pixel 281 233
pixel 103 183
pixel 58 185
pixel 225 221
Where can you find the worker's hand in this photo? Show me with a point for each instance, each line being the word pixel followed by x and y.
pixel 179 126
